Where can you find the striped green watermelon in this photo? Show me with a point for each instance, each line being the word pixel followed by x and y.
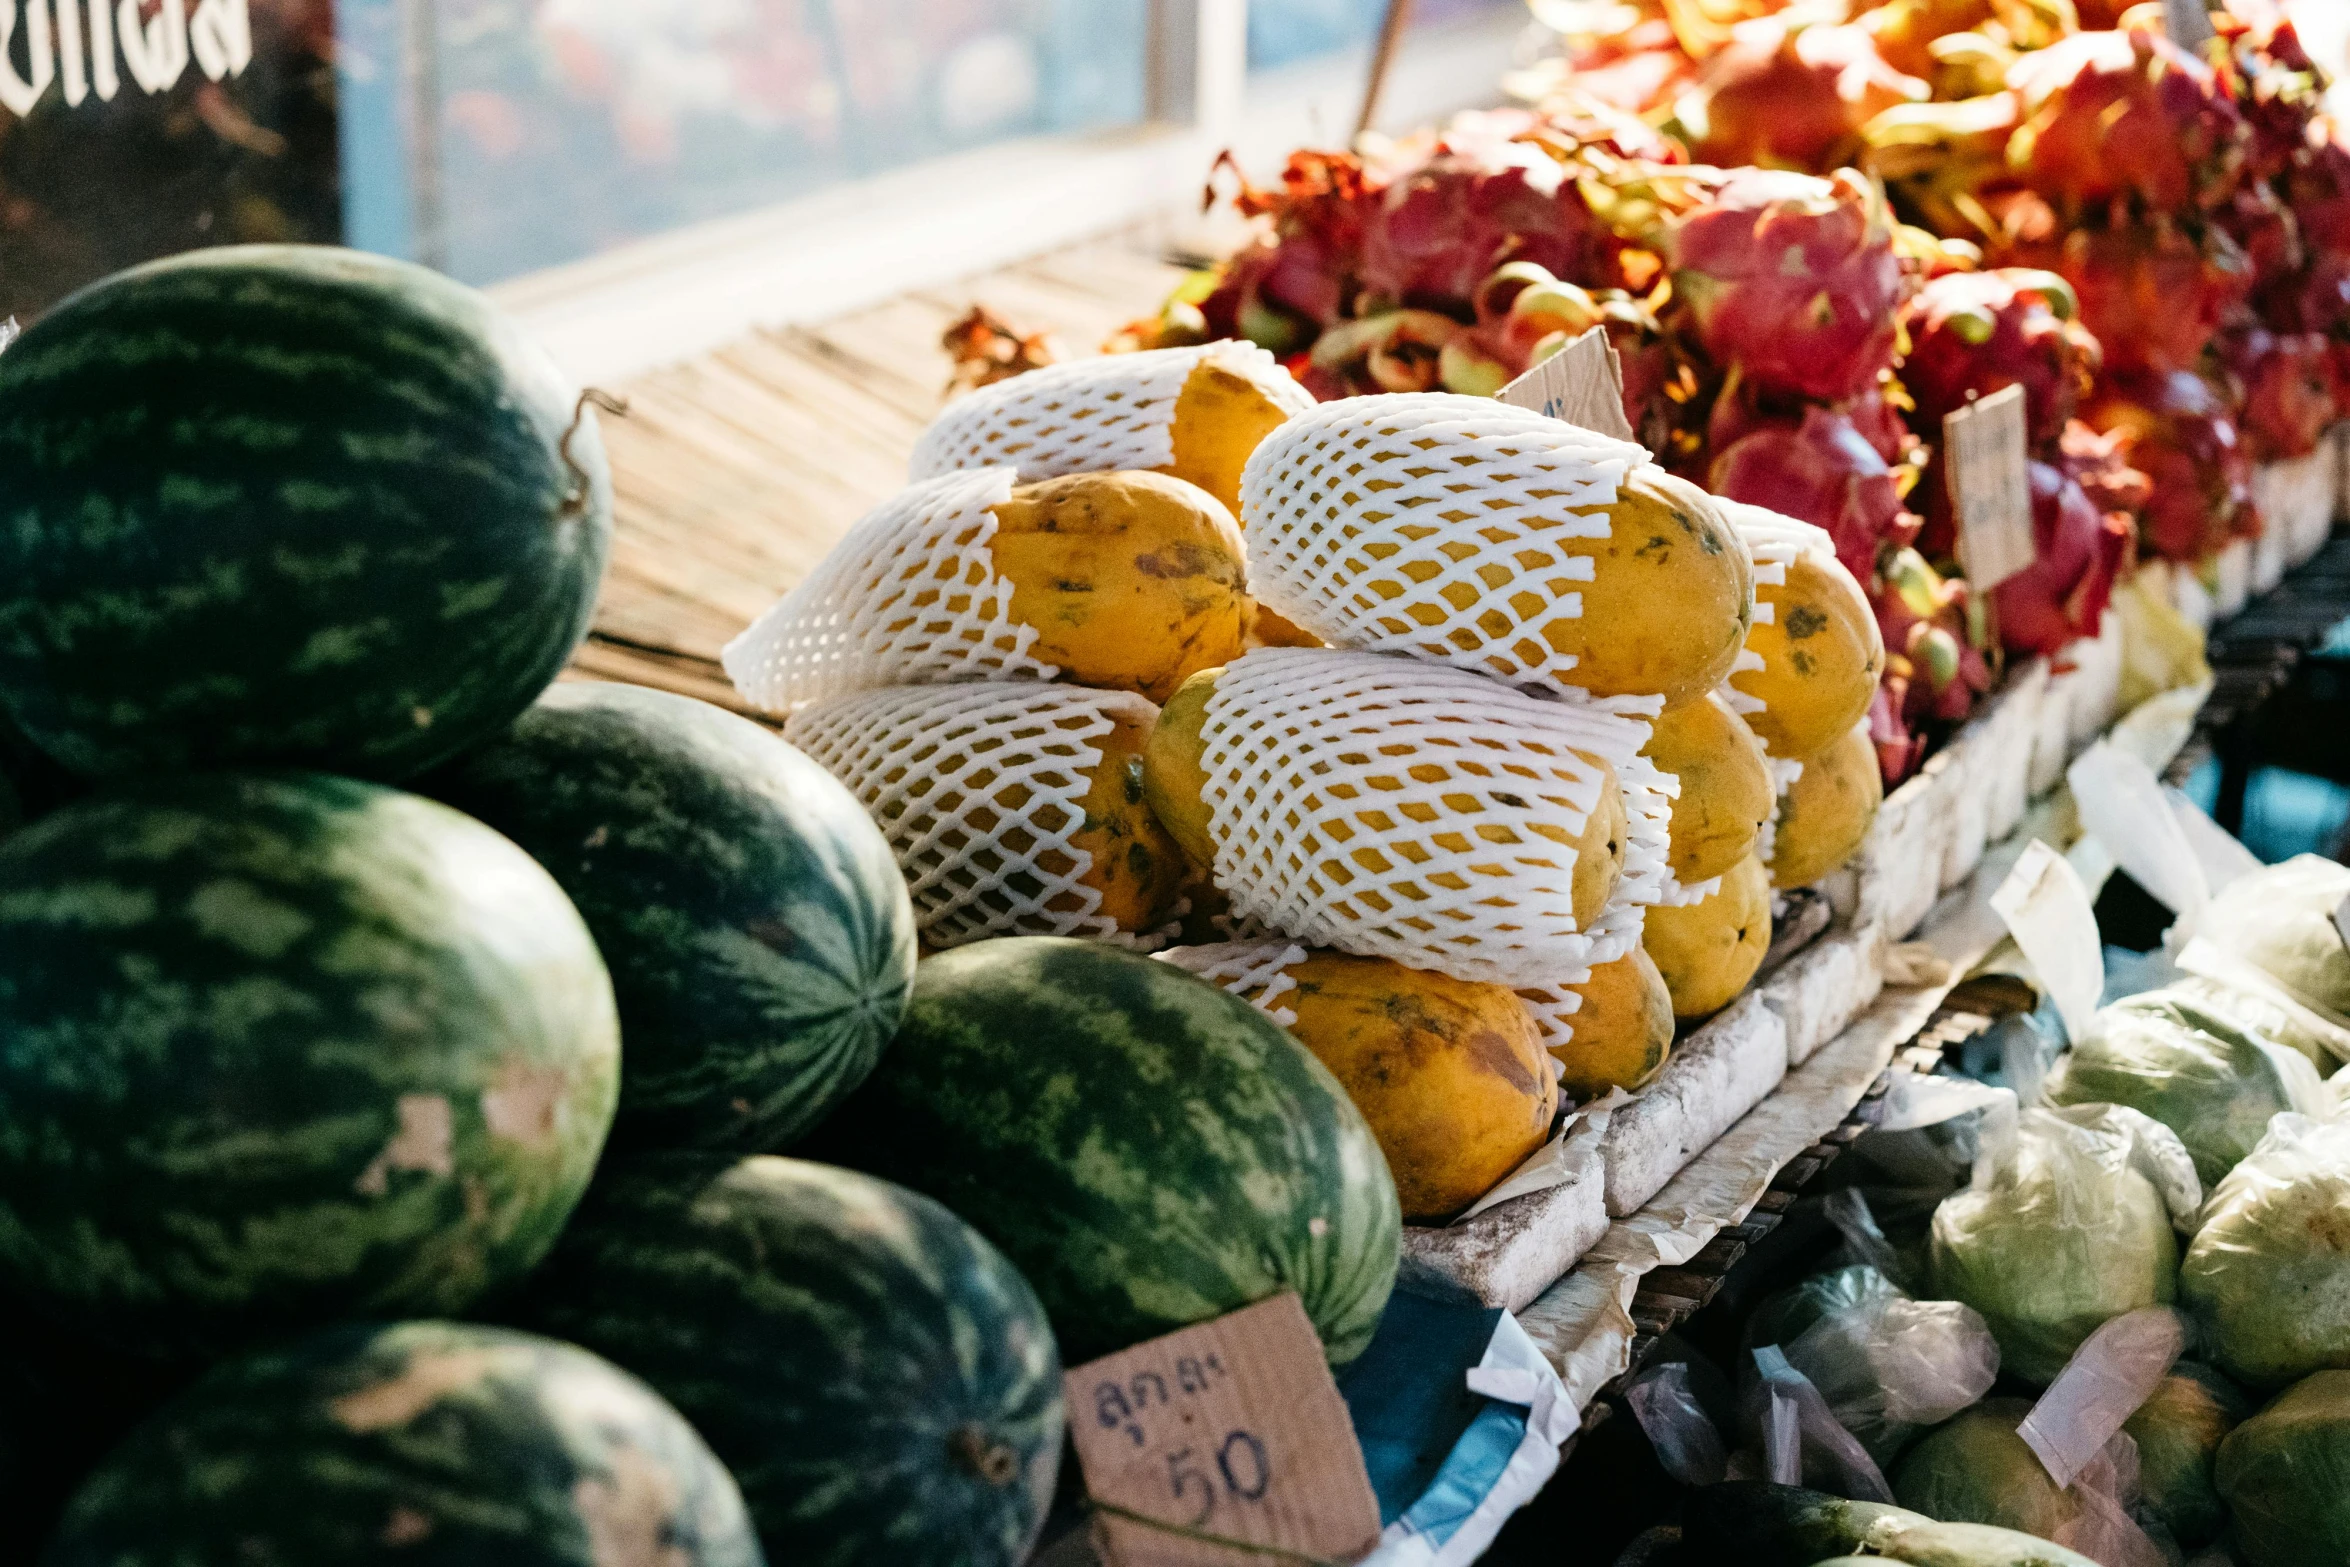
pixel 882 1382
pixel 433 1443
pixel 284 505
pixel 759 934
pixel 282 1049
pixel 1148 1150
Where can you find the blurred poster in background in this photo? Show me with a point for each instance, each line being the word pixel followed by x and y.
pixel 131 129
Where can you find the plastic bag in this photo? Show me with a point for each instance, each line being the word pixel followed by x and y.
pixel 1687 1443
pixel 2104 1383
pixel 2193 1069
pixel 2267 1277
pixel 1888 1366
pixel 2178 1431
pixel 1803 1443
pixel 2259 1008
pixel 1976 1469
pixel 2064 1229
pixel 2286 1476
pixel 2280 920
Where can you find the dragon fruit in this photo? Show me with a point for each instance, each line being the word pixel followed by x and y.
pixel 1937 643
pixel 1972 334
pixel 2175 428
pixel 2286 381
pixel 2151 295
pixel 1826 473
pixel 1790 93
pixel 1793 280
pixel 1299 276
pixel 1905 30
pixel 2111 115
pixel 1480 200
pixel 2094 461
pixel 2081 549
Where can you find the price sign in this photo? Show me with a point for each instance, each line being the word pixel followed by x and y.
pixel 1224 1436
pixel 1583 383
pixel 1983 447
pixel 2188 22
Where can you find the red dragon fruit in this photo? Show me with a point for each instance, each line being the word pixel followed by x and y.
pixel 2288 391
pixel 1789 93
pixel 2151 295
pixel 2110 115
pixel 2080 551
pixel 2177 430
pixel 2094 461
pixel 1937 649
pixel 1299 277
pixel 1793 280
pixel 1826 473
pixel 1905 30
pixel 1481 199
pixel 1972 334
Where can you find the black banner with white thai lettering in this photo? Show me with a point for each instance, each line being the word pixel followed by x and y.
pixel 131 129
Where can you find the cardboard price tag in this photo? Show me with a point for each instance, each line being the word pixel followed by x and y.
pixel 1228 1431
pixel 1984 447
pixel 1583 383
pixel 2188 22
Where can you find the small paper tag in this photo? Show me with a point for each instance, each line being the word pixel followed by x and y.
pixel 1232 1430
pixel 2048 912
pixel 2188 22
pixel 1583 383
pixel 1991 487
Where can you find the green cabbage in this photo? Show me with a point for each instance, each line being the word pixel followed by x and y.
pixel 1975 1469
pixel 2178 1431
pixel 2066 1235
pixel 2196 1072
pixel 2286 1476
pixel 2268 1275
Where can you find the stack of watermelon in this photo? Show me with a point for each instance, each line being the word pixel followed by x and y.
pixel 324 918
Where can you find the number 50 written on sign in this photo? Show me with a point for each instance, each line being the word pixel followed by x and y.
pixel 1240 1459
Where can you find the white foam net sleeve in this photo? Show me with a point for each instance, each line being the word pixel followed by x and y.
pixel 1255 971
pixel 910 596
pixel 980 790
pixel 1442 526
pixel 1404 810
pixel 1096 415
pixel 1784 772
pixel 1553 1007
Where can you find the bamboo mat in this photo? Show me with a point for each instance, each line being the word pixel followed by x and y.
pixel 734 472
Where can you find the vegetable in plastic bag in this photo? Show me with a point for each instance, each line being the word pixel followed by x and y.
pixel 2268 1275
pixel 1975 1469
pixel 1750 1524
pixel 1889 1366
pixel 2267 1014
pixel 2191 1068
pixel 2280 920
pixel 2064 1229
pixel 1801 1438
pixel 2178 1432
pixel 2286 1476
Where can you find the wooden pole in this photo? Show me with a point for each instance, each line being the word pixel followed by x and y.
pixel 1391 31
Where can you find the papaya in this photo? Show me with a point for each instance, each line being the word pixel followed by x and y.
pixel 1821 655
pixel 1450 1074
pixel 1666 610
pixel 1220 418
pixel 1623 1031
pixel 1132 581
pixel 1726 788
pixel 1268 627
pixel 1137 867
pixel 1174 779
pixel 1708 951
pixel 1825 815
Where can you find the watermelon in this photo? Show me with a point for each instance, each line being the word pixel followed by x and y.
pixel 288 506
pixel 284 1049
pixel 760 938
pixel 432 1443
pixel 882 1382
pixel 1148 1150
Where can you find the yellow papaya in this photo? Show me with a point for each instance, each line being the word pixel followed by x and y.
pixel 1708 951
pixel 1825 815
pixel 1623 1031
pixel 1726 788
pixel 1821 653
